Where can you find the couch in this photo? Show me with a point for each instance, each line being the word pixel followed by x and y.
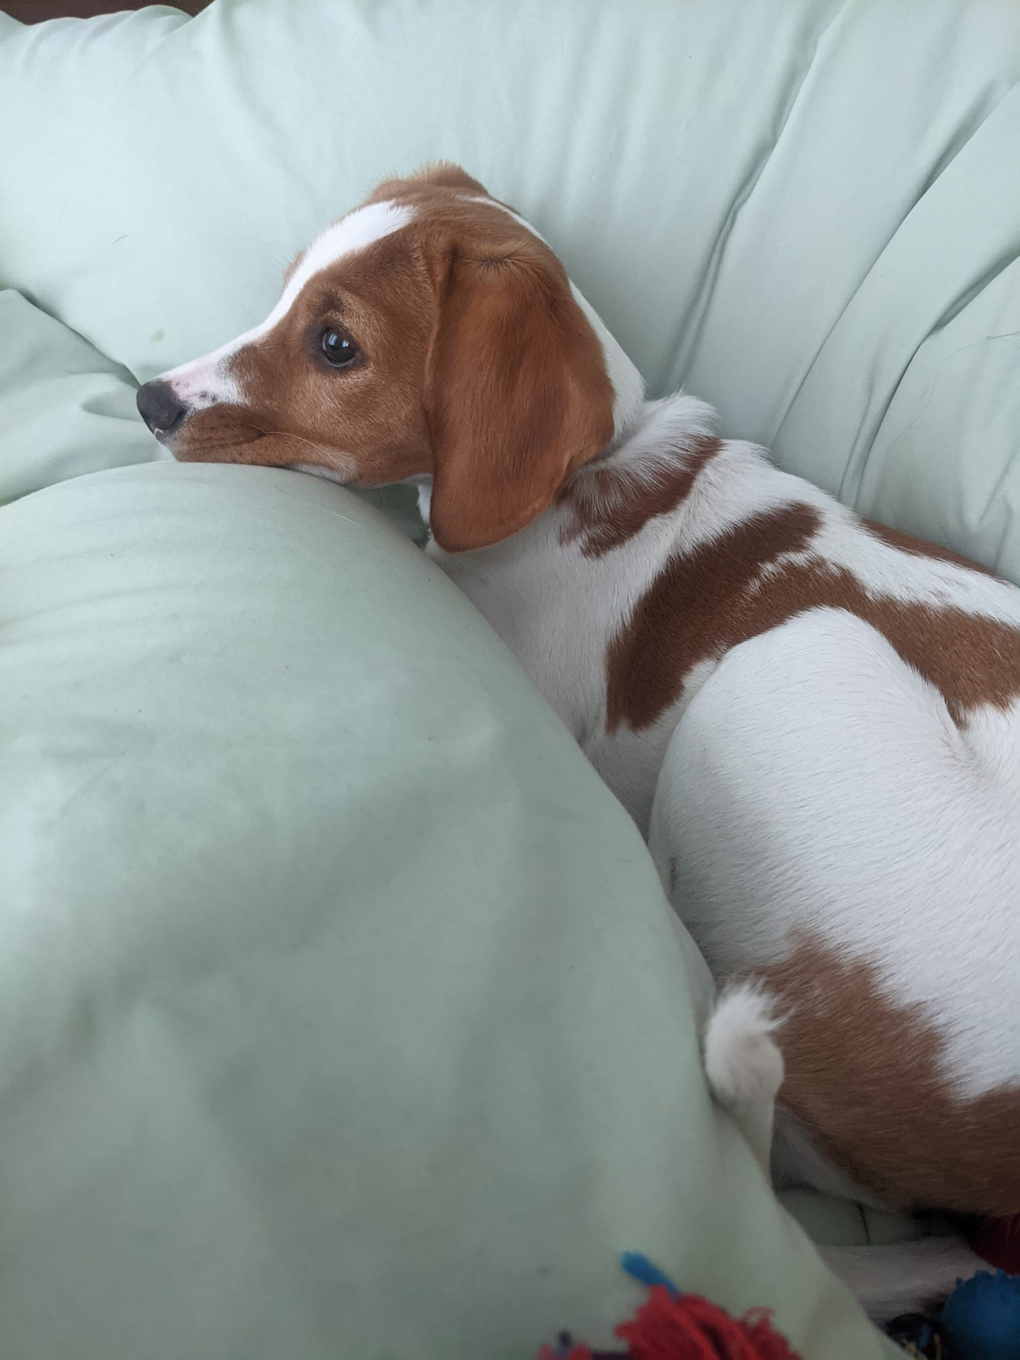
pixel 342 1013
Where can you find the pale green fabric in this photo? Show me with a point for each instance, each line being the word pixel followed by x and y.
pixel 344 1016
pixel 343 1013
pixel 65 409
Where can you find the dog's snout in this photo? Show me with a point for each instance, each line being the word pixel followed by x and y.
pixel 161 408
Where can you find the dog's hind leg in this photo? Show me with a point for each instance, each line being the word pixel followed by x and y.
pixel 903 1277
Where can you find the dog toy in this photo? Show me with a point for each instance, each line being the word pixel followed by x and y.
pixel 670 1325
pixel 981 1317
pixel 979 1321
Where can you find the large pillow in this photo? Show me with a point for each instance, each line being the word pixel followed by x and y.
pixel 808 211
pixel 342 1013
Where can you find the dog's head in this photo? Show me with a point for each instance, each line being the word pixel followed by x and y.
pixel 428 333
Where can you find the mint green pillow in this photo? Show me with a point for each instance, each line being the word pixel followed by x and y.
pixel 344 1014
pixel 65 409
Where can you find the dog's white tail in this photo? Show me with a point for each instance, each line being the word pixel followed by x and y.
pixel 904 1277
pixel 743 1063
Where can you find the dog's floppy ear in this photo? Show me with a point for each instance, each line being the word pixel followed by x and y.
pixel 516 394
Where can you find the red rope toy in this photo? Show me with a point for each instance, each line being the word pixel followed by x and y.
pixel 674 1326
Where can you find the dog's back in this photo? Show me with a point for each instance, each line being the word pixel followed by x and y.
pixel 837 816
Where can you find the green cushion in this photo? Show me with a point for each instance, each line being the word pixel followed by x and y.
pixel 344 1012
pixel 345 1015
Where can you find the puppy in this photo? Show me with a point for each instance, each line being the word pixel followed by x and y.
pixel 815 720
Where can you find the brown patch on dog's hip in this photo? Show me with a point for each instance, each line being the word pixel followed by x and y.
pixel 864 1075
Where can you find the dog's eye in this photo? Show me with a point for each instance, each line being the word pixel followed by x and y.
pixel 339 349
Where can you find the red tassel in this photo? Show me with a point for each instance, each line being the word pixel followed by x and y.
pixel 691 1328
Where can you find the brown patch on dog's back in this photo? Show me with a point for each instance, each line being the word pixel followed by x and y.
pixel 613 504
pixel 863 1075
pixel 697 607
pixel 713 598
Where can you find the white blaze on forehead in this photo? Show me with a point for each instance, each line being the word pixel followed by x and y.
pixel 356 231
pixel 204 382
pixel 624 378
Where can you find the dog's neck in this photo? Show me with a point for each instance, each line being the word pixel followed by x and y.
pixel 627 382
pixel 558 590
pixel 553 596
pixel 657 438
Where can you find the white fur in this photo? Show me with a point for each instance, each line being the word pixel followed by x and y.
pixel 558 609
pixel 341 474
pixel 627 383
pixel 797 1160
pixel 207 381
pixel 903 1277
pixel 358 230
pixel 743 1063
pixel 815 766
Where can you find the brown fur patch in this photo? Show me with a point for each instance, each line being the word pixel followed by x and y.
pixel 699 606
pixel 863 1076
pixel 431 175
pixel 613 504
pixel 709 600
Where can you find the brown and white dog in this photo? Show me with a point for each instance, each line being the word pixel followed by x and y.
pixel 825 713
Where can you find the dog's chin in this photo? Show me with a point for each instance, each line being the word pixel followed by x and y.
pixel 260 449
pixel 231 449
pixel 342 476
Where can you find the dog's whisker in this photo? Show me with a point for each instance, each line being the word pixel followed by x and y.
pixel 286 434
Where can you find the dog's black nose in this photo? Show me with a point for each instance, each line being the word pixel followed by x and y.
pixel 160 407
